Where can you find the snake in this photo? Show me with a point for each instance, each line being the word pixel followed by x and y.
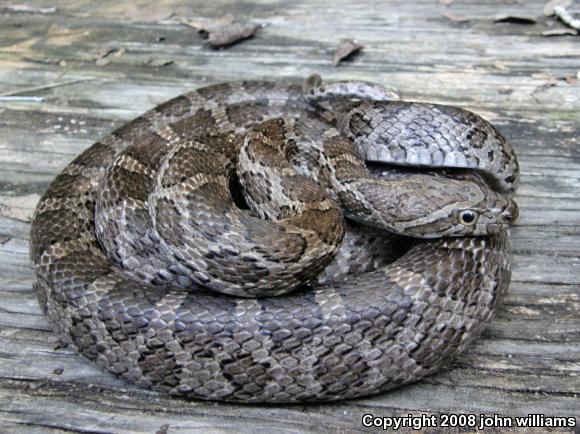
pixel 188 251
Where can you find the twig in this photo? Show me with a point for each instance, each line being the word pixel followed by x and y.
pixel 566 17
pixel 542 88
pixel 42 87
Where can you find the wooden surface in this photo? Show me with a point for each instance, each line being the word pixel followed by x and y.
pixel 528 360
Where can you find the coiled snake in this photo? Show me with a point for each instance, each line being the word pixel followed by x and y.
pixel 148 262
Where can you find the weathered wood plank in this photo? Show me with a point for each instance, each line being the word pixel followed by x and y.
pixel 528 360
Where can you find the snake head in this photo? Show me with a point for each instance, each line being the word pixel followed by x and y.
pixel 442 207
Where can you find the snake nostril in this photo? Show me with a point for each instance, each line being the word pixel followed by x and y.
pixel 510 214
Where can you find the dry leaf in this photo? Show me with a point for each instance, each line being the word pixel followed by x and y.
pixel 42 60
pixel 513 19
pixel 569 79
pixel 542 76
pixel 456 18
pixel 28 8
pixel 549 7
pixel 446 2
pixel 230 34
pixel 223 31
pixel 499 65
pixel 550 82
pixel 158 62
pixel 345 48
pixel 162 429
pixel 559 32
pixel 505 91
pixel 19 207
pixel 104 52
pixel 102 56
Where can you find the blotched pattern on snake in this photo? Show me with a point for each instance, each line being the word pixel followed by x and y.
pixel 201 249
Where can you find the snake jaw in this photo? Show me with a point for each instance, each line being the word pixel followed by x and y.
pixel 494 229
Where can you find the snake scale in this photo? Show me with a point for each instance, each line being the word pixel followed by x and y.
pixel 150 262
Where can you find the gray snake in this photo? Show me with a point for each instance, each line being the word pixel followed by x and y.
pixel 148 263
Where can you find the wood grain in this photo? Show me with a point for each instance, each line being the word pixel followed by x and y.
pixel 528 360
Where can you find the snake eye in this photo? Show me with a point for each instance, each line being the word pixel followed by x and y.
pixel 467 217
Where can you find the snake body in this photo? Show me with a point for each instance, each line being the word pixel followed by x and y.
pixel 148 263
